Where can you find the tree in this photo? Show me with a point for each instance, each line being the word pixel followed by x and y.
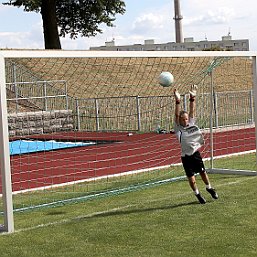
pixel 71 17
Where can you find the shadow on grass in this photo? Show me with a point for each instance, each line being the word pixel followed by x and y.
pixel 137 210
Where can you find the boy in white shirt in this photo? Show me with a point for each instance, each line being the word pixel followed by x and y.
pixel 191 139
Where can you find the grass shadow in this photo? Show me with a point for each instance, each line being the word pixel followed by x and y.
pixel 118 212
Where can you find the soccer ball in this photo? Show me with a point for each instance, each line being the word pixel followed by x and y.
pixel 166 79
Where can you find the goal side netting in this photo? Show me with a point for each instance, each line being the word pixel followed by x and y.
pixel 79 125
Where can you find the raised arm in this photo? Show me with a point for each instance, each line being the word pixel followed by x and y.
pixel 192 93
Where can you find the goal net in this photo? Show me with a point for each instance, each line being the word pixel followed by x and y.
pixel 77 125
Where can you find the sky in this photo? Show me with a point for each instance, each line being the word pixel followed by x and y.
pixel 143 19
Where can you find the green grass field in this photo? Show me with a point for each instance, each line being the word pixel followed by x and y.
pixel 162 221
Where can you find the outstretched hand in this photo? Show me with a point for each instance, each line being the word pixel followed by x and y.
pixel 192 91
pixel 177 95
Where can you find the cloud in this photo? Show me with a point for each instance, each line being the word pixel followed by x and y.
pixel 31 39
pixel 154 24
pixel 212 17
pixel 148 22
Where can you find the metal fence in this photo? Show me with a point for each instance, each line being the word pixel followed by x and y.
pixel 38 95
pixel 130 113
pixel 151 113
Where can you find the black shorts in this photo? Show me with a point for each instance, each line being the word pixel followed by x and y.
pixel 193 164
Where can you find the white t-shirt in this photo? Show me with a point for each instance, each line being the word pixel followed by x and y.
pixel 190 137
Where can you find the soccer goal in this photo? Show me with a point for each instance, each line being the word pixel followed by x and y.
pixel 78 125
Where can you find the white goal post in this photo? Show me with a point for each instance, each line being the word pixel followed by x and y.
pixel 133 71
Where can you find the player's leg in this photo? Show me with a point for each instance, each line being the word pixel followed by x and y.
pixel 205 178
pixel 188 167
pixel 207 183
pixel 209 188
pixel 192 183
pixel 199 166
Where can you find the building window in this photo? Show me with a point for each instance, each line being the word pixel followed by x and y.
pixel 229 48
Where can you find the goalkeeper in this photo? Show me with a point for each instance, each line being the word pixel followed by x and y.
pixel 191 139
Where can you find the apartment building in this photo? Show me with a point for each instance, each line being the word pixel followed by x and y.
pixel 226 43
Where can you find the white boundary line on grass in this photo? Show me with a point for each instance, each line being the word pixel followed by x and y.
pixel 68 220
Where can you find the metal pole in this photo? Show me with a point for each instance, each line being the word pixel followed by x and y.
pixel 251 106
pixel 78 114
pixel 97 114
pixel 45 95
pixel 66 95
pixel 215 106
pixel 211 120
pixel 5 155
pixel 15 87
pixel 138 113
pixel 255 97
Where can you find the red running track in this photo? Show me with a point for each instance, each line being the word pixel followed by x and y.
pixel 118 154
